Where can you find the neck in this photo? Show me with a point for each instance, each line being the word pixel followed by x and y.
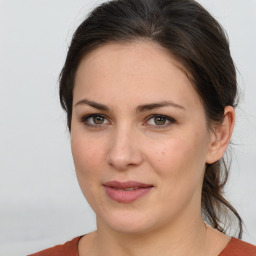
pixel 179 239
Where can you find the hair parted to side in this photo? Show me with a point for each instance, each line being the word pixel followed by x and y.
pixel 197 41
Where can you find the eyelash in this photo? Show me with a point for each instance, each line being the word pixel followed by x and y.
pixel 168 119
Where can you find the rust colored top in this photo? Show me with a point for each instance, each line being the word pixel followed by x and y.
pixel 70 248
pixel 235 247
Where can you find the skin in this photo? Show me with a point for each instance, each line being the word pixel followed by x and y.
pixel 131 145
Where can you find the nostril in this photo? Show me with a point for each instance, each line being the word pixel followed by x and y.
pixel 123 150
pixel 121 159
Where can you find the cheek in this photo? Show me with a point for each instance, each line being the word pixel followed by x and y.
pixel 169 154
pixel 180 158
pixel 87 157
pixel 180 168
pixel 88 163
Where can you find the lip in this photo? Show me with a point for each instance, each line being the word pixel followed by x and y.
pixel 116 190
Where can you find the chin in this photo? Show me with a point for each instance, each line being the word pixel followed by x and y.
pixel 127 222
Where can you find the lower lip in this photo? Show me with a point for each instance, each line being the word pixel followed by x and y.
pixel 123 196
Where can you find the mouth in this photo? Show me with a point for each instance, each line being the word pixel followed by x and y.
pixel 126 192
pixel 126 189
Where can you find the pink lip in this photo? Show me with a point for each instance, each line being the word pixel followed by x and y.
pixel 116 190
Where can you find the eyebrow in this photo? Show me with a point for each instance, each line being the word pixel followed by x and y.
pixel 140 108
pixel 146 107
pixel 92 104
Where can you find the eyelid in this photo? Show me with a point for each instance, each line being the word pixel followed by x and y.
pixel 84 120
pixel 168 118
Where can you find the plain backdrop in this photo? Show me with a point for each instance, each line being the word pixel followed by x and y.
pixel 41 204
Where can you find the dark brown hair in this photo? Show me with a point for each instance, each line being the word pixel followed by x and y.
pixel 196 40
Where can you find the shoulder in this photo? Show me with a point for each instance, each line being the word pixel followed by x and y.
pixel 237 247
pixel 70 248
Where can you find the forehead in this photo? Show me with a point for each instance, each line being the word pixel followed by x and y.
pixel 139 70
pixel 139 54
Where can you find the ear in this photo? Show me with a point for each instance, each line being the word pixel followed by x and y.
pixel 221 135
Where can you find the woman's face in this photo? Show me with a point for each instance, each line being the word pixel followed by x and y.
pixel 139 138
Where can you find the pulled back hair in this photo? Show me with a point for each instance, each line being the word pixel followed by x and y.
pixel 195 39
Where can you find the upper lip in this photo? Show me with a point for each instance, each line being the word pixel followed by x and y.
pixel 126 184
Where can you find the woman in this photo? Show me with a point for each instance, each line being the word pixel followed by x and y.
pixel 150 88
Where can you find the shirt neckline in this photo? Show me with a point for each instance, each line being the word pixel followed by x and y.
pixel 221 254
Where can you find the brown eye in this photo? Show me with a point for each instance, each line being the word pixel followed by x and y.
pixel 98 120
pixel 94 120
pixel 159 120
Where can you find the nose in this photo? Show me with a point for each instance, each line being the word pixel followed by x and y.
pixel 124 152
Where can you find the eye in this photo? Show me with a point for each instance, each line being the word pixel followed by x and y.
pixel 94 120
pixel 160 121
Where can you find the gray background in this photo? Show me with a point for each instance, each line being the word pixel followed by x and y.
pixel 40 201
